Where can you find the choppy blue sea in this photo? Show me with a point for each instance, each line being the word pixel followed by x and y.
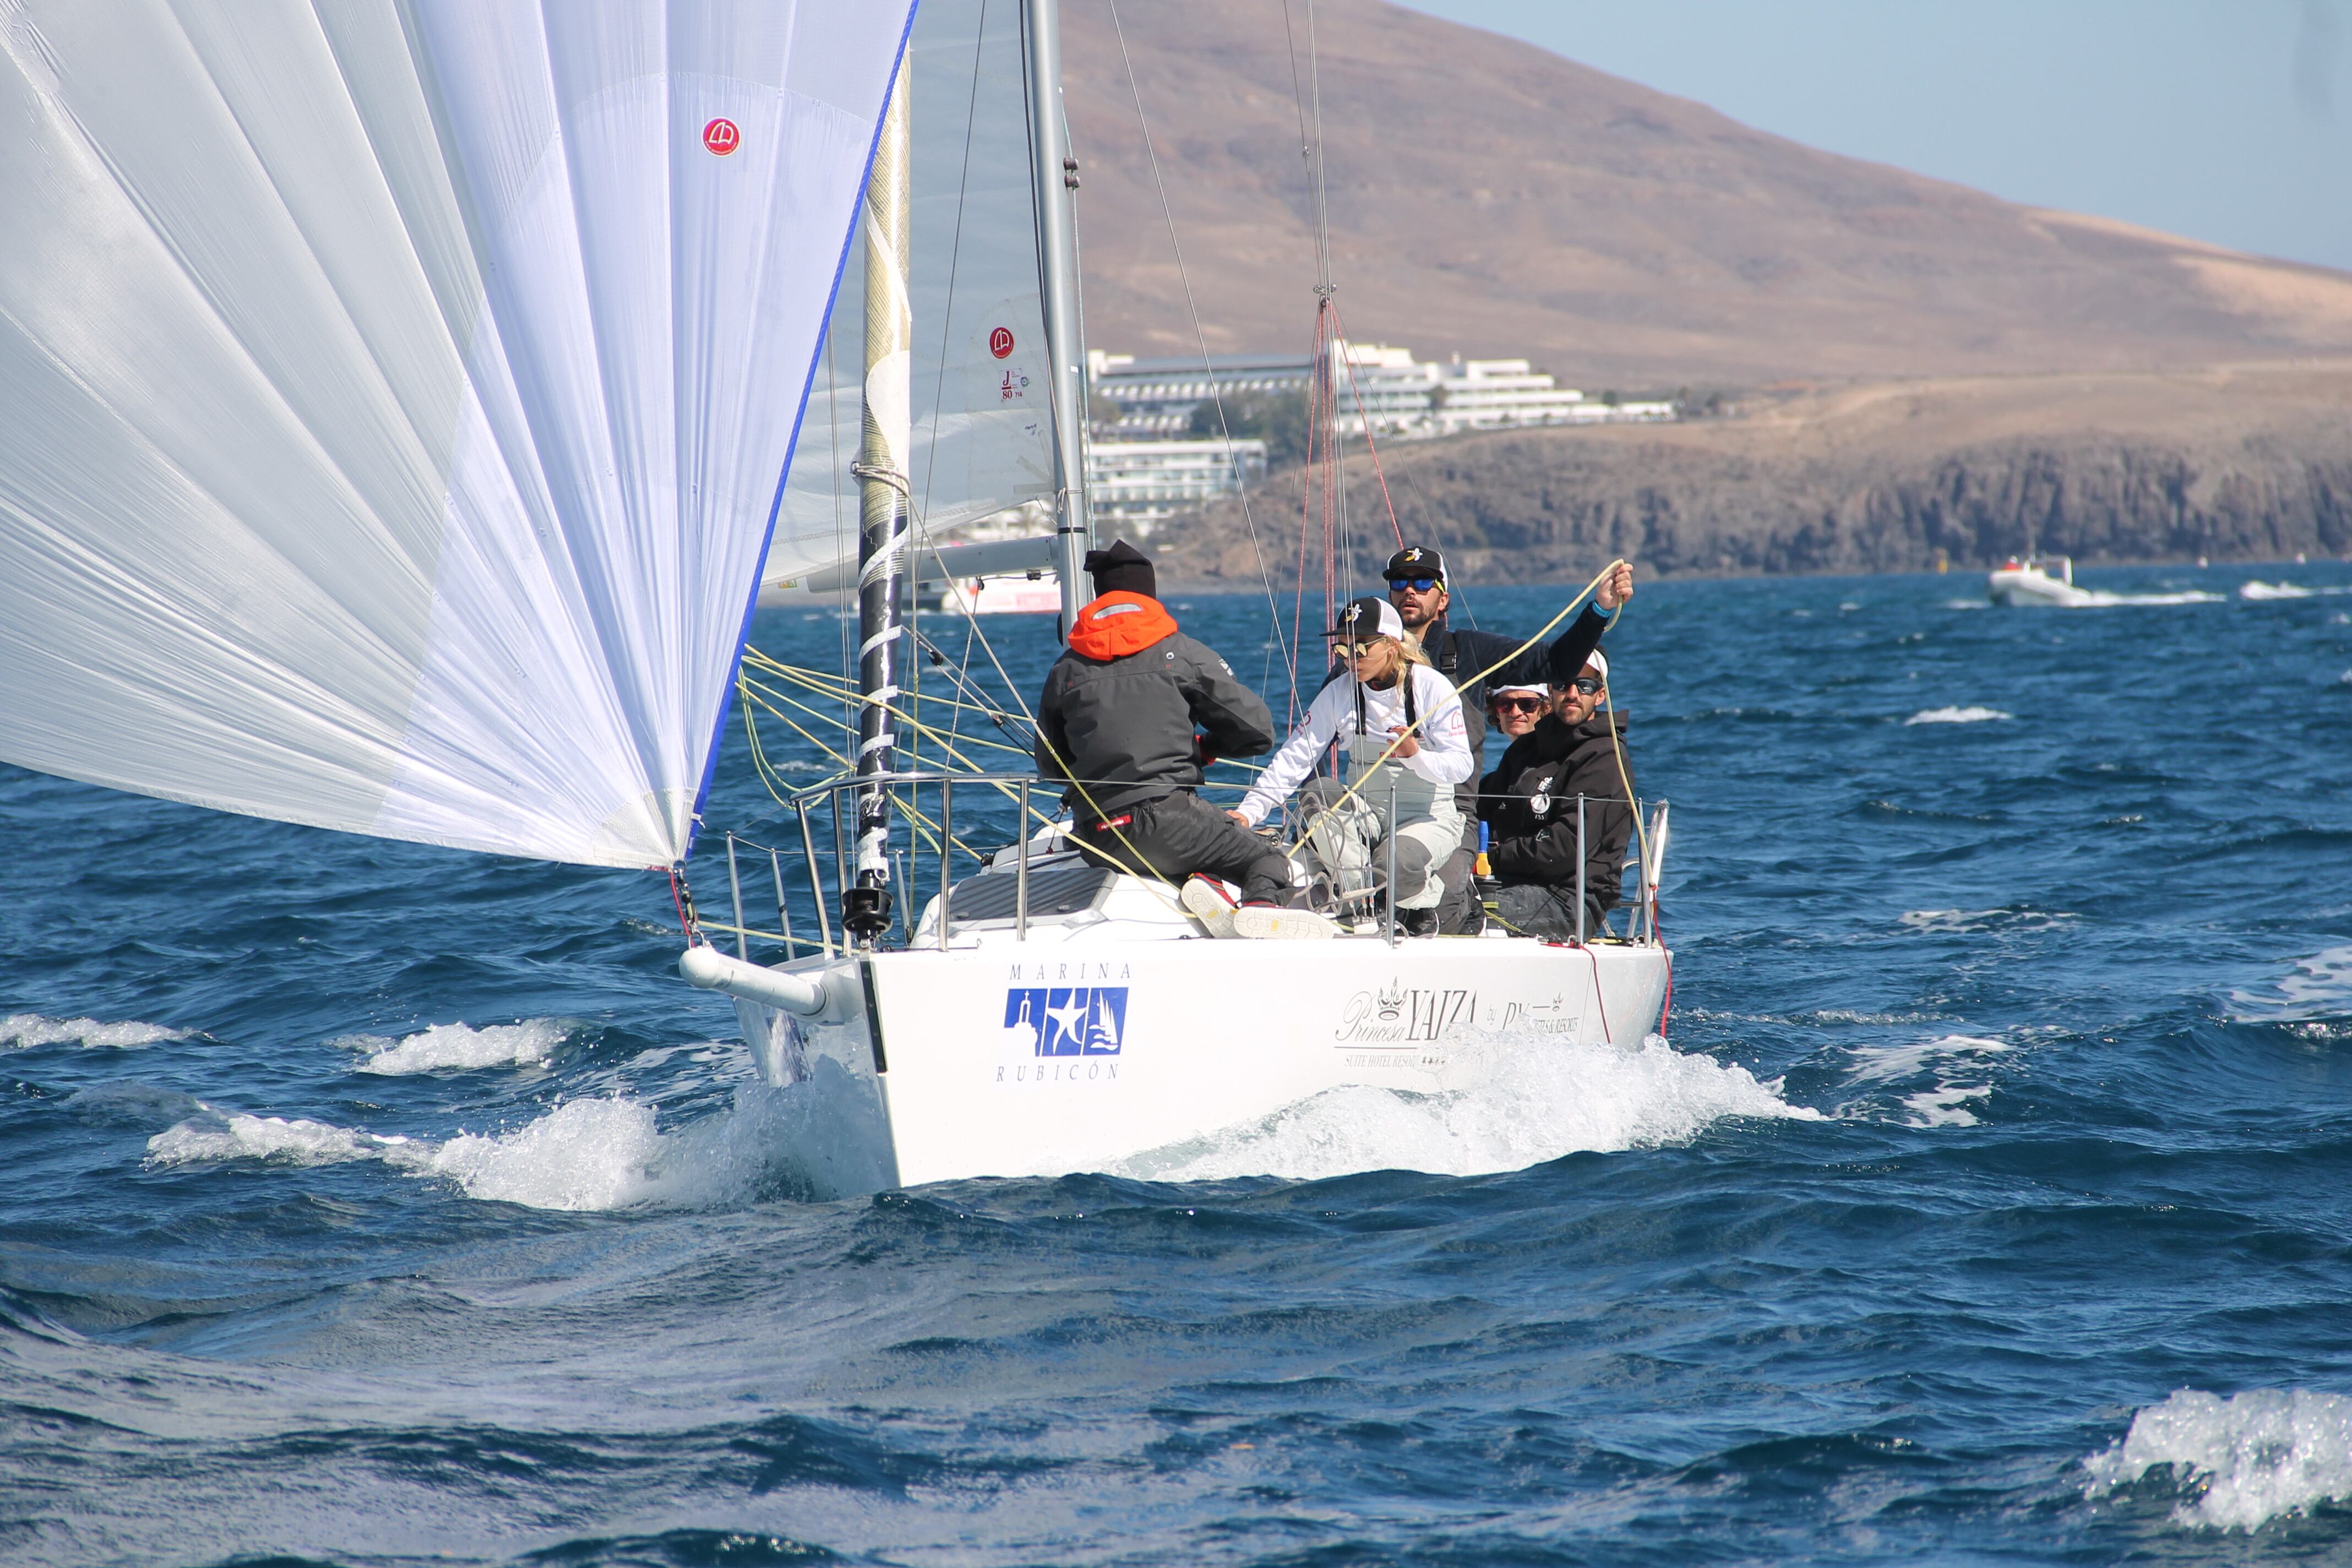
pixel 367 1204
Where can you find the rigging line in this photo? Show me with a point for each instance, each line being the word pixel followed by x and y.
pixel 1322 166
pixel 833 430
pixel 768 697
pixel 1370 447
pixel 1199 335
pixel 947 320
pixel 1437 539
pixel 921 824
pixel 955 247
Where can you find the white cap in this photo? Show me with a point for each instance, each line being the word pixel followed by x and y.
pixel 1598 662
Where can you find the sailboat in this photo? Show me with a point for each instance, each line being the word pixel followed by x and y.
pixel 404 403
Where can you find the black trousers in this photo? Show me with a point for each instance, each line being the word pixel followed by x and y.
pixel 1177 834
pixel 1536 910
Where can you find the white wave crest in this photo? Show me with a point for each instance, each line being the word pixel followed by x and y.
pixel 1513 1107
pixel 2319 986
pixel 2262 590
pixel 1957 716
pixel 445 1045
pixel 24 1030
pixel 817 1139
pixel 213 1135
pixel 1965 923
pixel 2244 1460
pixel 1956 1067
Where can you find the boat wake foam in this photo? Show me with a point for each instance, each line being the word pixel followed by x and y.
pixel 445 1046
pixel 22 1031
pixel 584 1154
pixel 2100 599
pixel 2239 1461
pixel 1513 1107
pixel 2258 589
pixel 1957 716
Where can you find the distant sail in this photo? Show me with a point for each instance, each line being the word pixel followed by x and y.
pixel 394 397
pixel 983 425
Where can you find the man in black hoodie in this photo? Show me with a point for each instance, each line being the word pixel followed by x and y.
pixel 1530 803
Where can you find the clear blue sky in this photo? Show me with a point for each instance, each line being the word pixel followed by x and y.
pixel 2225 121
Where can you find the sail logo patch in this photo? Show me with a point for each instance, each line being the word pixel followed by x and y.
pixel 1069 1020
pixel 721 137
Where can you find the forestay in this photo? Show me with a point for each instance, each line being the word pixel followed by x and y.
pixel 393 398
pixel 980 415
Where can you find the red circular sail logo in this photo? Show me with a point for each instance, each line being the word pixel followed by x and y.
pixel 721 137
pixel 1000 342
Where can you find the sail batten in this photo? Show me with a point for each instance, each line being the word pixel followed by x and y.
pixel 393 396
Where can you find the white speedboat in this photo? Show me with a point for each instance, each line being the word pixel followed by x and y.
pixel 2029 581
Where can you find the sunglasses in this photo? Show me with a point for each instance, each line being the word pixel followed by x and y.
pixel 1583 683
pixel 1418 585
pixel 1355 649
pixel 1518 704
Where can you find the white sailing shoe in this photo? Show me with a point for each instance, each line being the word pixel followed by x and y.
pixel 1206 902
pixel 1270 922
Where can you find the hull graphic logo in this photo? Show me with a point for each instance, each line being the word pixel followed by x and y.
pixel 1069 1020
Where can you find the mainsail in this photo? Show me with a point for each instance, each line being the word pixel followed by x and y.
pixel 979 388
pixel 394 397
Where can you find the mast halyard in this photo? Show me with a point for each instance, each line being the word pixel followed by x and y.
pixel 1056 172
pixel 882 507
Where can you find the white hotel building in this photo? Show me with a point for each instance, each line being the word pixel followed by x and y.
pixel 1142 468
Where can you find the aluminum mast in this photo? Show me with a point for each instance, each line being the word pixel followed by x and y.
pixel 882 507
pixel 1057 175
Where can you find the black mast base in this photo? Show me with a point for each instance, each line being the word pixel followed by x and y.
pixel 865 912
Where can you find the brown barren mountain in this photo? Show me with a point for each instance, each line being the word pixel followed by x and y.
pixel 1489 198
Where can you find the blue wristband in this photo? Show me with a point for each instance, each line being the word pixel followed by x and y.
pixel 1604 611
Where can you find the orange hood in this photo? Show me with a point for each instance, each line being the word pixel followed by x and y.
pixel 1119 623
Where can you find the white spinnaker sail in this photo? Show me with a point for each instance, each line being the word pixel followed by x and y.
pixel 982 427
pixel 393 396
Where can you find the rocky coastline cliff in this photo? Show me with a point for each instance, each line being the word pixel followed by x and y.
pixel 2244 463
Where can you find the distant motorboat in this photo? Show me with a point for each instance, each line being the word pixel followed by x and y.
pixel 2029 581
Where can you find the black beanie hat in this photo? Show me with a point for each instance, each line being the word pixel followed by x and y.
pixel 1122 568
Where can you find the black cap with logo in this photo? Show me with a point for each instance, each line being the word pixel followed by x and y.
pixel 1417 561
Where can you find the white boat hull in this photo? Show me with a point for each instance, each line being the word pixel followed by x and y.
pixel 1042 1058
pixel 2029 586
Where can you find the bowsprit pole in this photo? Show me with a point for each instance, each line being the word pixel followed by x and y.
pixel 883 509
pixel 1057 174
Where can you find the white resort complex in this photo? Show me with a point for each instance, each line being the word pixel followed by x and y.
pixel 1159 451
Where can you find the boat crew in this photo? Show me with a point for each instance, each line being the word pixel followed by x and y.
pixel 1129 716
pixel 1417 587
pixel 1531 804
pixel 1400 724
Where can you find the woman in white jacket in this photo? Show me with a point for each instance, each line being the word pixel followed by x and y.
pixel 1401 722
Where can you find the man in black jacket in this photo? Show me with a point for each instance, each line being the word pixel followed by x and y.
pixel 1417 587
pixel 1115 726
pixel 1530 803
